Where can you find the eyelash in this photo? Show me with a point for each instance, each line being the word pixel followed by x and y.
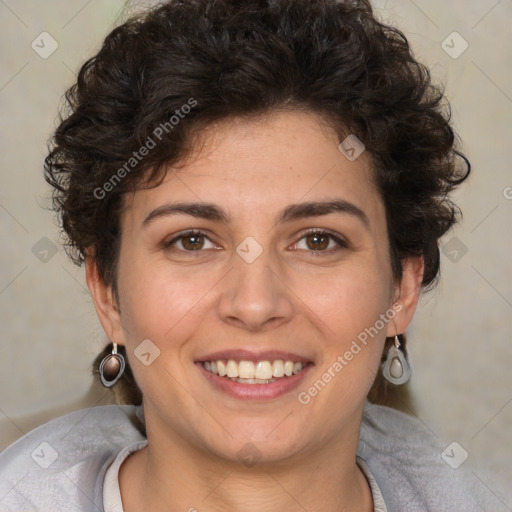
pixel 342 244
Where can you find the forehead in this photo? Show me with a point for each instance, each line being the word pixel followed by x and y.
pixel 261 165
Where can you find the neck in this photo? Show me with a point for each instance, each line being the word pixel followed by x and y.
pixel 171 474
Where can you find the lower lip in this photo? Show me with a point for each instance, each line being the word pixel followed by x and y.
pixel 255 391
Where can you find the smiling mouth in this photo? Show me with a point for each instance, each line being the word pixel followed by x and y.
pixel 259 372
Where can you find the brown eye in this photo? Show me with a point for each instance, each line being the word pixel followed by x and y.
pixel 190 242
pixel 320 242
pixel 317 241
pixel 193 242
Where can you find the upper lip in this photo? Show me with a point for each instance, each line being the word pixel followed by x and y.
pixel 250 355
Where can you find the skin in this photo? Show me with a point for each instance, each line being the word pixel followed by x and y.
pixel 292 298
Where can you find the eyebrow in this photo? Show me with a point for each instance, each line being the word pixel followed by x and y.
pixel 209 211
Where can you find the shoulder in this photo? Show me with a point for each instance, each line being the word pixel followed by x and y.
pixel 406 460
pixel 59 465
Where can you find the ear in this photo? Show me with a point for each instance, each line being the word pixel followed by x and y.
pixel 105 303
pixel 406 295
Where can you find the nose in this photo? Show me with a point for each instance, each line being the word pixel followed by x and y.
pixel 255 297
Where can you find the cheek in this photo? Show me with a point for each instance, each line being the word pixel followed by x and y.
pixel 171 306
pixel 350 298
pixel 167 308
pixel 155 303
pixel 349 305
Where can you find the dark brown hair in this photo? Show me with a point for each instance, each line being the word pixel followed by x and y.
pixel 189 63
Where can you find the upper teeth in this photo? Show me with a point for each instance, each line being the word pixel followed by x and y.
pixel 253 370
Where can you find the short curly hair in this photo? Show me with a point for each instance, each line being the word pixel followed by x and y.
pixel 173 70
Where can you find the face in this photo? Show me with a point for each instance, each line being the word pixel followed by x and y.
pixel 267 246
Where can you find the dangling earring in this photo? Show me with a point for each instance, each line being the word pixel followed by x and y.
pixel 395 368
pixel 112 367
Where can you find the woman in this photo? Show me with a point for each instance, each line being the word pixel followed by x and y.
pixel 257 190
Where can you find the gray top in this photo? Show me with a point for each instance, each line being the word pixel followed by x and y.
pixel 71 465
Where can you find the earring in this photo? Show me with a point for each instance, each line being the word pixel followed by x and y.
pixel 395 368
pixel 112 367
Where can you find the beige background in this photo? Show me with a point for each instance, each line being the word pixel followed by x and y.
pixel 460 342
